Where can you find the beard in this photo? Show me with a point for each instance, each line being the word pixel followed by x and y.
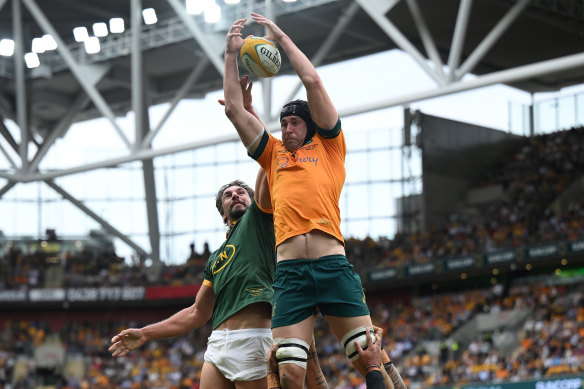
pixel 236 213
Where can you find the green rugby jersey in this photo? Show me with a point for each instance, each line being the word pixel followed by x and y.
pixel 241 271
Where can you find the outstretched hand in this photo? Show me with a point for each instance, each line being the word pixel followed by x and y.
pixel 126 341
pixel 275 34
pixel 233 40
pixel 246 92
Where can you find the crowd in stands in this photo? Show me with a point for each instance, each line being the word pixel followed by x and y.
pixel 550 343
pixel 551 340
pixel 87 268
pixel 531 179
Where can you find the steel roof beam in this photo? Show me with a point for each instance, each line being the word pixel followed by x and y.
pixel 108 227
pixel 492 37
pixel 458 37
pixel 89 88
pixel 371 8
pixel 426 37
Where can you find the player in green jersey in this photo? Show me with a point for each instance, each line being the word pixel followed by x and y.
pixel 236 292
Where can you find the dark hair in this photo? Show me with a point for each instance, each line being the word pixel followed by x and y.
pixel 219 197
pixel 301 109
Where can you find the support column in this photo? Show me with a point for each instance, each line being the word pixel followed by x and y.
pixel 142 127
pixel 21 106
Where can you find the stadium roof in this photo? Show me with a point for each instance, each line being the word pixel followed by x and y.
pixel 481 37
pixel 534 45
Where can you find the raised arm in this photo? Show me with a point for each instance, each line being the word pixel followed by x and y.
pixel 262 190
pixel 322 109
pixel 246 86
pixel 178 324
pixel 247 125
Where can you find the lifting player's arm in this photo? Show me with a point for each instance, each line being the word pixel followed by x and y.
pixel 392 372
pixel 315 378
pixel 180 323
pixel 369 363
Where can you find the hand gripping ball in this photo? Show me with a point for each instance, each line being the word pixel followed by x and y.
pixel 260 56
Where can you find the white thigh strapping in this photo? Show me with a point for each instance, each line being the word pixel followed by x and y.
pixel 356 335
pixel 292 350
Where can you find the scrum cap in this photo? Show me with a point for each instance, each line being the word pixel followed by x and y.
pixel 300 108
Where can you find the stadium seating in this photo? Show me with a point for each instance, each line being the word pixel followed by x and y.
pixel 516 329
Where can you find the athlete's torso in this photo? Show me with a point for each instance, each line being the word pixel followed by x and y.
pixel 241 271
pixel 305 186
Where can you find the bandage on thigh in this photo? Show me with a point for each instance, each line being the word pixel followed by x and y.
pixel 356 335
pixel 292 350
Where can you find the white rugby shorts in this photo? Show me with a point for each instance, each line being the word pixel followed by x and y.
pixel 240 355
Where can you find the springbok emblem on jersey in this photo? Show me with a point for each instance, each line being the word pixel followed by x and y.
pixel 224 258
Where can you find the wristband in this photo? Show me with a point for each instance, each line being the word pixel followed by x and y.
pixel 374 380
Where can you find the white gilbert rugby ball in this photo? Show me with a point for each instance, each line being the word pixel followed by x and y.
pixel 260 56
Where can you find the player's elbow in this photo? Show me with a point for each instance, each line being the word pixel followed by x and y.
pixel 196 317
pixel 312 81
pixel 231 111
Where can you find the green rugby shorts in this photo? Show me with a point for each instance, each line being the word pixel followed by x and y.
pixel 329 283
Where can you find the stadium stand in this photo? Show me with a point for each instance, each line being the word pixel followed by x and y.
pixel 483 330
pixel 425 336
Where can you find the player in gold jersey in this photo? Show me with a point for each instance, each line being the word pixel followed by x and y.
pixel 306 173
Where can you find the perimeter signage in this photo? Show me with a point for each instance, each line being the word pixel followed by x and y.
pixel 74 295
pixel 508 256
pixel 553 383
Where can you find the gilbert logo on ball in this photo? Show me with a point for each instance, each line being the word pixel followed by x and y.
pixel 260 56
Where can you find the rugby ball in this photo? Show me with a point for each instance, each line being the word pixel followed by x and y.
pixel 260 56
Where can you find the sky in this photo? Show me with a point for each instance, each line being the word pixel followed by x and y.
pixel 191 217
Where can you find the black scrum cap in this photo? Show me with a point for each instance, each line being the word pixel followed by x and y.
pixel 300 108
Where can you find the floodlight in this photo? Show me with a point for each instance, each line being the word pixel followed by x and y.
pixel 6 47
pixel 32 60
pixel 149 16
pixel 38 46
pixel 212 13
pixel 80 34
pixel 92 45
pixel 100 29
pixel 49 42
pixel 116 25
pixel 195 7
pixel 231 1
pixel 289 1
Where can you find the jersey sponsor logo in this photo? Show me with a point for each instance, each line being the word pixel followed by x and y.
pixel 285 161
pixel 322 220
pixel 274 310
pixel 308 160
pixel 282 162
pixel 224 258
pixel 256 290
